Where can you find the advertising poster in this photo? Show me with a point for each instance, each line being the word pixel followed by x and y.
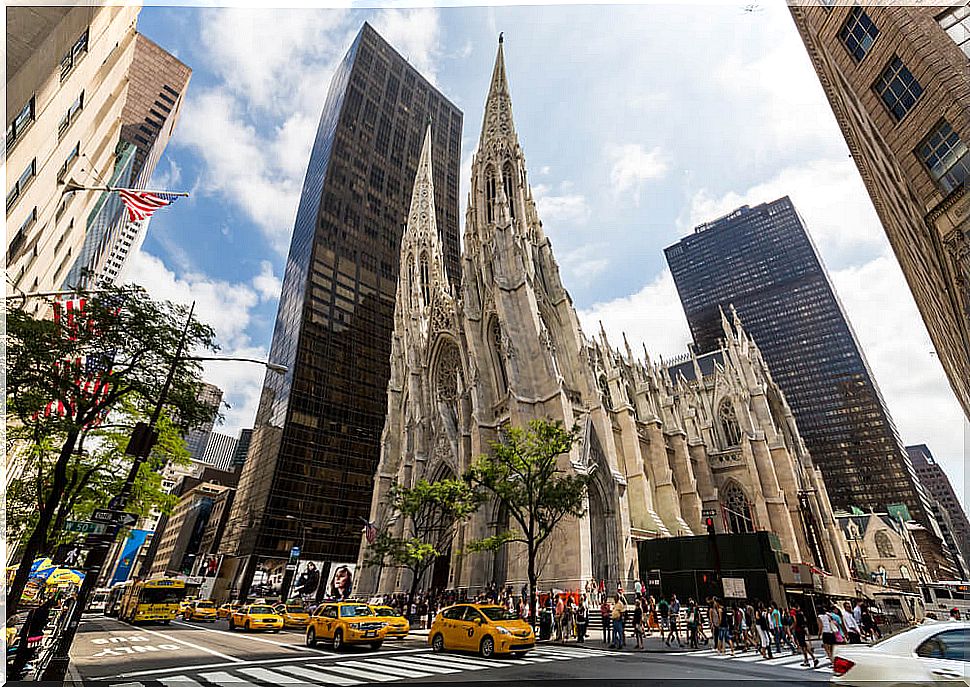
pixel 268 578
pixel 341 581
pixel 128 555
pixel 306 579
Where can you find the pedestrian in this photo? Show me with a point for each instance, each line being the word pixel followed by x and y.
pixel 764 637
pixel 582 620
pixel 800 632
pixel 638 621
pixel 869 623
pixel 663 610
pixel 853 633
pixel 714 622
pixel 617 616
pixel 955 614
pixel 560 610
pixel 826 632
pixel 607 624
pixel 638 587
pixel 568 620
pixel 674 617
pixel 727 629
pixel 693 621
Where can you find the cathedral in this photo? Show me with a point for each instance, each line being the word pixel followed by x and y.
pixel 664 441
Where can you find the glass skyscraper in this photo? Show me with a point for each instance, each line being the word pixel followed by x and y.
pixel 762 262
pixel 307 481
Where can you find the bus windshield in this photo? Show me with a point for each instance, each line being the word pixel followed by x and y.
pixel 161 595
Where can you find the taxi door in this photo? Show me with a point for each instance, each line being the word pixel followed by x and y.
pixel 476 627
pixel 328 622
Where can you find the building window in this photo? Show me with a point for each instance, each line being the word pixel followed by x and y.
pixel 884 545
pixel 498 353
pixel 737 509
pixel 489 194
pixel 730 429
pixel 858 33
pixel 425 281
pixel 956 22
pixel 20 124
pixel 507 175
pixel 22 183
pixel 946 157
pixel 74 55
pixel 70 116
pixel 13 251
pixel 66 167
pixel 898 88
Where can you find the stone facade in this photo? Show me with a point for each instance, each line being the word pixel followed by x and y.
pixel 883 549
pixel 662 441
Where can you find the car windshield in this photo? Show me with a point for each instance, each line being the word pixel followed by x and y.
pixel 498 613
pixel 260 609
pixel 295 609
pixel 205 604
pixel 386 611
pixel 355 611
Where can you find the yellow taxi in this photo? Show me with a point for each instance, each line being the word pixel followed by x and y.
pixel 184 606
pixel 345 623
pixel 226 610
pixel 256 617
pixel 294 615
pixel 397 625
pixel 485 628
pixel 201 610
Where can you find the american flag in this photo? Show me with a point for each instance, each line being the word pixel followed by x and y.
pixel 141 204
pixel 67 314
pixel 370 532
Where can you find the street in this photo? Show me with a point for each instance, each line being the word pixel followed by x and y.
pixel 113 653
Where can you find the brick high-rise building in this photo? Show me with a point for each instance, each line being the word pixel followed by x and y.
pixel 897 76
pixel 316 441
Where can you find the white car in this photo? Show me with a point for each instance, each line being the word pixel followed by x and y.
pixel 927 654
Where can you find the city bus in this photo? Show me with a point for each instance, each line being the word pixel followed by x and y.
pixel 156 600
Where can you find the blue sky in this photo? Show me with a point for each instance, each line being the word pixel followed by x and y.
pixel 637 121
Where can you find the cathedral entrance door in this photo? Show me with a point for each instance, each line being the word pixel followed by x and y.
pixel 602 533
pixel 440 571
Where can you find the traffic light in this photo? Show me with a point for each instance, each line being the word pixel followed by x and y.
pixel 142 440
pixel 709 521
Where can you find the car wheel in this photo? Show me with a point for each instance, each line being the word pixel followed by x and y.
pixel 376 645
pixel 338 640
pixel 438 643
pixel 232 625
pixel 487 647
pixel 311 638
pixel 247 627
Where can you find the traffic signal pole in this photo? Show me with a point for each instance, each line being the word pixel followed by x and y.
pixel 140 445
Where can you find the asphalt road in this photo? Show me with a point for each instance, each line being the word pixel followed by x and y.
pixel 114 654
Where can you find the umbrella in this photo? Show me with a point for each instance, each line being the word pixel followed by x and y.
pixel 65 576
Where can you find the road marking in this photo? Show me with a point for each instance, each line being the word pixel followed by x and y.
pixel 353 672
pixel 221 678
pixel 232 633
pixel 460 662
pixel 396 670
pixel 271 676
pixel 179 681
pixel 417 662
pixel 310 673
pixel 194 646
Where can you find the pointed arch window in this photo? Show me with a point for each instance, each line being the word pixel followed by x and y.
pixel 884 545
pixel 507 181
pixel 730 429
pixel 409 280
pixel 425 280
pixel 605 392
pixel 498 354
pixel 489 194
pixel 737 509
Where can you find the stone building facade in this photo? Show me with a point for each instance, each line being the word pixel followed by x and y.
pixel 882 549
pixel 663 442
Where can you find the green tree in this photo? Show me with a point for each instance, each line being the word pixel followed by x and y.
pixel 523 474
pixel 432 512
pixel 56 371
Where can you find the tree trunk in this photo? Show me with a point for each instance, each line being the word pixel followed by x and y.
pixel 533 589
pixel 38 538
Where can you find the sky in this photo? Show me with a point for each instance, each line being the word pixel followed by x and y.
pixel 638 122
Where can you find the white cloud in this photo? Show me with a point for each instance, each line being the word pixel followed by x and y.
pixel 880 307
pixel 226 307
pixel 414 34
pixel 653 317
pixel 631 165
pixel 167 178
pixel 266 283
pixel 581 266
pixel 828 194
pixel 562 208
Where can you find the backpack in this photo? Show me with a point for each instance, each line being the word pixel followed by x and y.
pixel 837 628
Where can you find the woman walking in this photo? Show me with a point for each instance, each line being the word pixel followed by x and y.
pixel 638 622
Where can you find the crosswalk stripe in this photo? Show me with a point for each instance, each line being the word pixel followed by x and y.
pixel 535 658
pixel 270 676
pixel 570 652
pixel 344 669
pixel 748 659
pixel 221 677
pixel 178 681
pixel 417 663
pixel 317 676
pixel 397 670
pixel 460 662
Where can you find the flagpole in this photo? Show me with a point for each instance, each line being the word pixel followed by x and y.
pixel 72 186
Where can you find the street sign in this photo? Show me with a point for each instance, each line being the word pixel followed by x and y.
pixel 734 588
pixel 708 513
pixel 85 526
pixel 291 566
pixel 114 517
pixel 295 552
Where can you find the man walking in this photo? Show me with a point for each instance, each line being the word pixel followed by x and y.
pixel 605 617
pixel 800 631
pixel 616 615
pixel 674 617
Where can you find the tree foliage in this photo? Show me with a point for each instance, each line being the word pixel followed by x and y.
pixel 523 474
pixel 66 375
pixel 431 513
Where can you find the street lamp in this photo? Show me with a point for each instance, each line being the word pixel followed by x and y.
pixel 272 367
pixel 288 575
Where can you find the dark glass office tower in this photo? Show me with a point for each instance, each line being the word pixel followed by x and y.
pixel 761 261
pixel 307 481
